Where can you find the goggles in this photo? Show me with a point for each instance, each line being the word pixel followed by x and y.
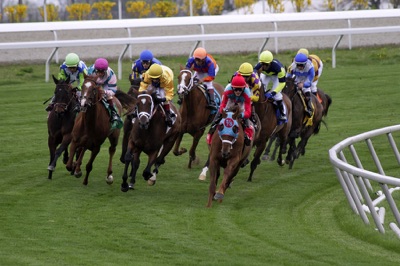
pixel 147 62
pixel 238 89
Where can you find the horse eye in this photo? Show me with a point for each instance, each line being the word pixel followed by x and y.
pixel 235 129
pixel 220 127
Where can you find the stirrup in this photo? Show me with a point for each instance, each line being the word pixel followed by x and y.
pixel 309 113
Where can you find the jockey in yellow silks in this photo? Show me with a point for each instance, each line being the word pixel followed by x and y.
pixel 162 78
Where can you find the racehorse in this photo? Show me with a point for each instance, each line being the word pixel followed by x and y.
pixel 133 91
pixel 92 127
pixel 324 99
pixel 228 151
pixel 60 122
pixel 151 135
pixel 270 126
pixel 194 112
pixel 302 126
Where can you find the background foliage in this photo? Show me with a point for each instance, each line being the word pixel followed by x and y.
pixel 284 217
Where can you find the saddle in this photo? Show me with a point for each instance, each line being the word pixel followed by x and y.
pixel 308 121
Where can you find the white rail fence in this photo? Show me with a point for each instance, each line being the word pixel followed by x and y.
pixel 358 183
pixel 201 37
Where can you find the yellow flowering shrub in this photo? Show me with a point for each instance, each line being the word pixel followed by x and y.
pixel 138 9
pixel 300 5
pixel 79 11
pixel 247 5
pixel 52 12
pixel 215 7
pixel 165 9
pixel 104 9
pixel 16 13
pixel 197 6
pixel 276 6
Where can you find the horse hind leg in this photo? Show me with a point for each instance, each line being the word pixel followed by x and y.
pixel 89 165
pixel 203 174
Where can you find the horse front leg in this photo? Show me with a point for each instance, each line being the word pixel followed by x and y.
pixel 256 159
pixel 177 149
pixel 229 173
pixel 192 151
pixel 89 165
pixel 111 152
pixel 52 149
pixel 214 173
pixel 203 174
pixel 147 174
pixel 125 139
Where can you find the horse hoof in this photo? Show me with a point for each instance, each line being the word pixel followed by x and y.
pixel 202 177
pixel 151 182
pixel 109 179
pixel 265 158
pixel 51 168
pixel 218 196
pixel 78 174
pixel 124 187
pixel 131 186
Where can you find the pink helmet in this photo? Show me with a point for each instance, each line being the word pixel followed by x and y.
pixel 101 64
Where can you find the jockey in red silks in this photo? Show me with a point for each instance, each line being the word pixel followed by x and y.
pixel 236 93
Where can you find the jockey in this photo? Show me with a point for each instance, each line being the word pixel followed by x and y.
pixel 303 70
pixel 162 78
pixel 236 93
pixel 206 69
pixel 318 67
pixel 253 82
pixel 108 80
pixel 272 71
pixel 74 69
pixel 141 65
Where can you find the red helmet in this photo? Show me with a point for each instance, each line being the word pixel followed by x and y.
pixel 238 81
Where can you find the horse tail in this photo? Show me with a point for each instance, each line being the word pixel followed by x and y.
pixel 329 103
pixel 128 102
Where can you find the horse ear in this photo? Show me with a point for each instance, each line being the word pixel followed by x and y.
pixel 68 79
pixel 220 127
pixel 85 75
pixel 55 79
pixel 181 67
pixel 235 129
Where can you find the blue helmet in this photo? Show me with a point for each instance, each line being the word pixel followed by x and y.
pixel 146 55
pixel 300 59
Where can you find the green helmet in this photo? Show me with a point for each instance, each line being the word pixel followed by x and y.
pixel 266 57
pixel 72 60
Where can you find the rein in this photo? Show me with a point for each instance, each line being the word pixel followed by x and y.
pixel 150 114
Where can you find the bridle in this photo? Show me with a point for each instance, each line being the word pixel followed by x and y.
pixel 183 88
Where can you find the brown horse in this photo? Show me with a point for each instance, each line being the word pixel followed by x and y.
pixel 270 126
pixel 228 151
pixel 324 99
pixel 194 112
pixel 151 135
pixel 60 122
pixel 92 127
pixel 301 126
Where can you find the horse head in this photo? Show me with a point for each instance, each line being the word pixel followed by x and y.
pixel 290 88
pixel 63 96
pixel 185 82
pixel 228 131
pixel 92 92
pixel 145 107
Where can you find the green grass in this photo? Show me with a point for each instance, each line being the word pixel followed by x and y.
pixel 284 217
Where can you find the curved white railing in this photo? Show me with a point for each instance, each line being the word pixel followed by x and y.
pixel 356 181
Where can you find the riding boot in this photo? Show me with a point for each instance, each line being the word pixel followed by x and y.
pixel 213 126
pixel 212 105
pixel 247 140
pixel 168 115
pixel 116 121
pixel 50 106
pixel 281 110
pixel 309 110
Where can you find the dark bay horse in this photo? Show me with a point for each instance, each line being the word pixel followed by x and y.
pixel 227 150
pixel 301 126
pixel 270 126
pixel 324 99
pixel 60 122
pixel 151 135
pixel 194 112
pixel 92 127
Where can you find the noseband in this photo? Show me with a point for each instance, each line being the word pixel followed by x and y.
pixel 148 115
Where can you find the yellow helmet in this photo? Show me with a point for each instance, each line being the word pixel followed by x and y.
pixel 155 71
pixel 303 51
pixel 246 69
pixel 266 57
